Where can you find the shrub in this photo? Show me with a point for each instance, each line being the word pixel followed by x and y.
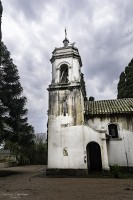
pixel 116 170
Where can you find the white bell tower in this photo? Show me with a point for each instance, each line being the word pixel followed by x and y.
pixel 66 103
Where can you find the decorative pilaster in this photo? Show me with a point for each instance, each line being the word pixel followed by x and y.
pixel 105 164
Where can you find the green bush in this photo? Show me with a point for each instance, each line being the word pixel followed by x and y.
pixel 115 169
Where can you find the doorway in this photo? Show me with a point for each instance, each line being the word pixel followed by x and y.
pixel 94 161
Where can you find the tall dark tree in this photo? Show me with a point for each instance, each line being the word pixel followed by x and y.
pixel 91 98
pixel 11 97
pixel 122 90
pixel 83 87
pixel 3 113
pixel 15 131
pixel 1 10
pixel 125 85
pixel 3 109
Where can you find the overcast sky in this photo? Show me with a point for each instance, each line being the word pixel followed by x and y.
pixel 102 30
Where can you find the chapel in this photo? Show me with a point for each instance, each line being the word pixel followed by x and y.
pixel 84 136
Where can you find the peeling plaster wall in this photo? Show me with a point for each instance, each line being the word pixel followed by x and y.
pixel 68 137
pixel 67 145
pixel 73 69
pixel 99 123
pixel 120 151
pixel 74 104
pixel 65 114
pixel 68 134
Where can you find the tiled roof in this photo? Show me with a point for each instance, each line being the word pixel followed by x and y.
pixel 103 107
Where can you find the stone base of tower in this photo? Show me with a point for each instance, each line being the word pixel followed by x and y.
pixel 76 172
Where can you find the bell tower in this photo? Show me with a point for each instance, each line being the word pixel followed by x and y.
pixel 66 100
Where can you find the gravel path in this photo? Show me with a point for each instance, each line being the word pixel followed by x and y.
pixel 30 183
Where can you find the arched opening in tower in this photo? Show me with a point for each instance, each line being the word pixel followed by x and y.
pixel 64 73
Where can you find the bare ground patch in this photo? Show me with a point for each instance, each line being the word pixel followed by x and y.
pixel 30 183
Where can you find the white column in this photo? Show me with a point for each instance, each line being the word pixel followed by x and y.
pixel 105 164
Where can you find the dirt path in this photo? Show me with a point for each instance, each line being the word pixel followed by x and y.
pixel 31 184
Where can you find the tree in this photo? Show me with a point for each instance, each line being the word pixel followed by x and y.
pixel 1 10
pixel 3 112
pixel 19 134
pixel 91 98
pixel 83 87
pixel 2 108
pixel 125 85
pixel 40 151
pixel 3 126
pixel 16 133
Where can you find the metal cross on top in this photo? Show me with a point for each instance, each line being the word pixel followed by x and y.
pixel 65 34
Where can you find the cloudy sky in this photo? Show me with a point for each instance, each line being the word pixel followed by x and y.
pixel 102 30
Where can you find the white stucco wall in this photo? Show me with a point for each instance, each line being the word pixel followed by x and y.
pixel 68 136
pixel 72 62
pixel 73 69
pixel 63 136
pixel 120 150
pixel 74 140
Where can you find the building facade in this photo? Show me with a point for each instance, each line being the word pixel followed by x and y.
pixel 84 136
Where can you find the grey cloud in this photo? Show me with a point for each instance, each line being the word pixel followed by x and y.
pixel 128 10
pixel 32 9
pixel 105 50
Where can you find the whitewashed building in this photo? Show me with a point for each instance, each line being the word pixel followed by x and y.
pixel 84 136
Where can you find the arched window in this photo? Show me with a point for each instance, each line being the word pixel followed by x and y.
pixel 113 130
pixel 64 73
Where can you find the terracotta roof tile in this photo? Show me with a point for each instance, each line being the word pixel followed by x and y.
pixel 109 106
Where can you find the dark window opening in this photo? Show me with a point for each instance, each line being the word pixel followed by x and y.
pixel 113 131
pixel 64 74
